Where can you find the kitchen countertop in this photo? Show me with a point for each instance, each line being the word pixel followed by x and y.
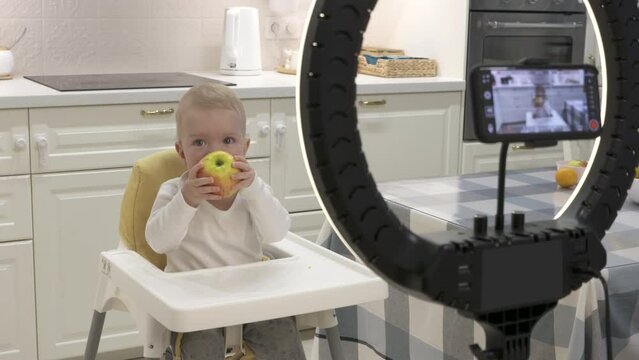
pixel 23 93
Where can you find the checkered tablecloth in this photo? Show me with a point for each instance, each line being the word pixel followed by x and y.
pixel 407 328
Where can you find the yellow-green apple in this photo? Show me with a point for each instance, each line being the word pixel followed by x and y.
pixel 218 165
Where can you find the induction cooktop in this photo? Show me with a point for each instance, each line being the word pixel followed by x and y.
pixel 121 81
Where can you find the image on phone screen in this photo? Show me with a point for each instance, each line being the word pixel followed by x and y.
pixel 519 103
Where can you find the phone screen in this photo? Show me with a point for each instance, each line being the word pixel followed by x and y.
pixel 521 103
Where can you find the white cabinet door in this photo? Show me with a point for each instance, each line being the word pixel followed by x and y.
pixel 76 216
pixel 14 142
pixel 479 157
pixel 15 208
pixel 408 136
pixel 17 302
pixel 289 179
pixel 112 136
pixel 307 224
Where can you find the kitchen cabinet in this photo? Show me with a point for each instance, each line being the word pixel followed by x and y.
pixel 15 191
pixel 63 171
pixel 76 213
pixel 290 180
pixel 479 157
pixel 76 216
pixel 407 136
pixel 17 302
pixel 423 127
pixel 14 142
pixel 17 297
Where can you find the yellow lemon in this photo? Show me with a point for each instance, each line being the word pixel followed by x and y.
pixel 566 177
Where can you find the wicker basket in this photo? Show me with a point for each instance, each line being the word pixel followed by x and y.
pixel 377 51
pixel 398 67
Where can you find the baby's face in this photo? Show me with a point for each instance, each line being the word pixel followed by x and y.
pixel 207 130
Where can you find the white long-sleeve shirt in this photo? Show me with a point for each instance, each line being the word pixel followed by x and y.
pixel 206 237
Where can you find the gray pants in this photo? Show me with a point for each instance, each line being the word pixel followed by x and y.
pixel 276 339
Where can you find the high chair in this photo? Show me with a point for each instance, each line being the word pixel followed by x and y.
pixel 302 279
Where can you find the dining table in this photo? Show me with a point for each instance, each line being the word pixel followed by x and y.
pixel 405 327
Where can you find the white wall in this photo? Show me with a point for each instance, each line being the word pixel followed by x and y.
pixel 427 28
pixel 98 36
pixel 93 36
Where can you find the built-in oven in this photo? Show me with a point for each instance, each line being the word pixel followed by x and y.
pixel 507 31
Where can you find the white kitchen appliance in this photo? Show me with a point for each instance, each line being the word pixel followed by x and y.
pixel 6 63
pixel 241 51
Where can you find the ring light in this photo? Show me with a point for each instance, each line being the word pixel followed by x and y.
pixel 480 274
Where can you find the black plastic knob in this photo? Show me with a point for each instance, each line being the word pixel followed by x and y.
pixel 480 225
pixel 517 221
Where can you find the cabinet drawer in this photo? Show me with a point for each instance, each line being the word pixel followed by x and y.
pixel 15 208
pixel 98 137
pixel 14 142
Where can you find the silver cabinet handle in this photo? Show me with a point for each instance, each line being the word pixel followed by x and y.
pixel 157 112
pixel 540 25
pixel 19 142
pixel 372 102
pixel 265 129
pixel 42 143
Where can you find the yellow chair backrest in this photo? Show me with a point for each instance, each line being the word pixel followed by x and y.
pixel 147 176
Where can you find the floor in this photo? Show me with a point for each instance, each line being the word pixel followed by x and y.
pixel 307 342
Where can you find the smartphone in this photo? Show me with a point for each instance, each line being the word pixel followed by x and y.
pixel 528 103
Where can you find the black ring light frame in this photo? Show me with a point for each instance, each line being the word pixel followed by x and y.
pixel 447 267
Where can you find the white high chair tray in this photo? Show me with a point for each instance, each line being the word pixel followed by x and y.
pixel 304 278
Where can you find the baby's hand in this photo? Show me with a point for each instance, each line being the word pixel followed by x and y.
pixel 196 190
pixel 246 175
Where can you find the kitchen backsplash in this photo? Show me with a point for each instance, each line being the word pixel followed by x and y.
pixel 99 36
pixel 108 36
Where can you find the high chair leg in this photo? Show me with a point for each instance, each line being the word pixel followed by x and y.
pixel 233 341
pixel 95 332
pixel 334 343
